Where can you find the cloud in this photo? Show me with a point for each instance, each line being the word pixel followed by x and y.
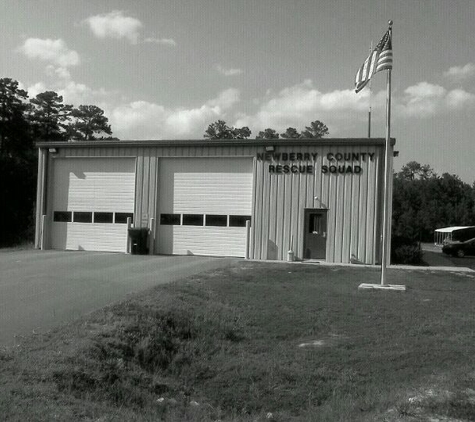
pixel 458 99
pixel 300 104
pixel 34 90
pixel 78 93
pixel 118 25
pixel 343 111
pixel 460 73
pixel 146 120
pixel 228 72
pixel 115 25
pixel 225 100
pixel 58 72
pixel 52 51
pixel 137 120
pixel 422 100
pixel 162 41
pixel 188 122
pixel 142 119
pixel 426 100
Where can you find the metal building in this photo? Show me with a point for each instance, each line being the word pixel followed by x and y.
pixel 260 199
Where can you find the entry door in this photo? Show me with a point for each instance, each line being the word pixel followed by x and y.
pixel 315 237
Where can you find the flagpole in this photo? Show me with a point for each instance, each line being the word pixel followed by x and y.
pixel 370 92
pixel 387 176
pixel 384 62
pixel 369 112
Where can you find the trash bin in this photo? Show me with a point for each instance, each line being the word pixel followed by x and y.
pixel 138 241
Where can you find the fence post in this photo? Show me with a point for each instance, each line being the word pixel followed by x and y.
pixel 127 243
pixel 151 240
pixel 43 235
pixel 248 238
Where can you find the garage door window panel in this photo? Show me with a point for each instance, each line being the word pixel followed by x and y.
pixel 217 220
pixel 104 217
pixel 193 219
pixel 238 220
pixel 82 217
pixel 170 219
pixel 121 217
pixel 62 216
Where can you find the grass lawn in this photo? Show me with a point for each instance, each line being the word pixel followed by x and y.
pixel 258 341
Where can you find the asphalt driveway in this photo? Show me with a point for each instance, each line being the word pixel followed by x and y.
pixel 40 290
pixel 434 257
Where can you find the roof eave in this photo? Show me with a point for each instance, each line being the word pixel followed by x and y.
pixel 214 142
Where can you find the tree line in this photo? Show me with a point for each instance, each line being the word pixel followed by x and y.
pixel 44 118
pixel 23 122
pixel 424 201
pixel 220 130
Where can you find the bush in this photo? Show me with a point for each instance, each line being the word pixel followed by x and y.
pixel 18 193
pixel 405 251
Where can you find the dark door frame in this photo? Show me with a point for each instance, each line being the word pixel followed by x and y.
pixel 305 228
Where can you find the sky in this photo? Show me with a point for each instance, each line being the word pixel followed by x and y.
pixel 167 69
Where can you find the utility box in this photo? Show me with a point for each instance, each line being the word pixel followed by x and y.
pixel 138 241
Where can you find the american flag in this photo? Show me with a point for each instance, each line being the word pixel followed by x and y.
pixel 381 58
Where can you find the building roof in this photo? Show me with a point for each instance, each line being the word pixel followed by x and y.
pixel 451 229
pixel 101 143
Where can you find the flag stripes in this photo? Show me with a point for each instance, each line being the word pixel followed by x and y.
pixel 381 58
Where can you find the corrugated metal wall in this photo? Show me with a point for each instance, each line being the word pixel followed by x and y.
pixel 279 200
pixel 351 200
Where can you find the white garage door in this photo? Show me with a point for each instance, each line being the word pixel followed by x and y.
pixel 92 198
pixel 204 204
